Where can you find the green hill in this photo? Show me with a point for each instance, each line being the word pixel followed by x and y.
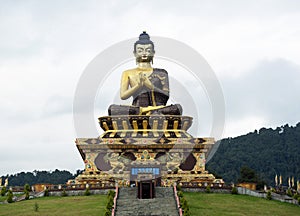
pixel 267 151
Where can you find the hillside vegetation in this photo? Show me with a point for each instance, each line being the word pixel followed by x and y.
pixel 267 151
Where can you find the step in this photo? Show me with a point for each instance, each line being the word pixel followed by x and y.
pixel 163 204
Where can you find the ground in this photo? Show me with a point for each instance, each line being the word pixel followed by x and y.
pixel 200 204
pixel 227 204
pixel 63 206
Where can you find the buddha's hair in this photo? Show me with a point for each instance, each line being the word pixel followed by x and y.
pixel 144 38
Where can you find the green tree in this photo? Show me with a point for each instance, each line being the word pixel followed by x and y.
pixel 234 190
pixel 87 192
pixel 3 191
pixel 269 195
pixel 27 189
pixel 10 196
pixel 247 175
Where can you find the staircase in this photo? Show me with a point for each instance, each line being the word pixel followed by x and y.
pixel 162 205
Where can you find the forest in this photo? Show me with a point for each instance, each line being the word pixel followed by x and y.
pixel 268 152
pixel 31 178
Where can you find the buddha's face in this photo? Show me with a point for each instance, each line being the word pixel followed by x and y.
pixel 144 52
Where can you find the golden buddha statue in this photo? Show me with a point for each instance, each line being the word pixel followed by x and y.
pixel 148 86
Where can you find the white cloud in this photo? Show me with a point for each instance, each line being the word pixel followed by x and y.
pixel 45 46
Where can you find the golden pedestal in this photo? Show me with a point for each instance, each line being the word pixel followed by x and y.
pixel 157 144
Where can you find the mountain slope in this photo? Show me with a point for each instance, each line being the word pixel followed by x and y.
pixel 267 151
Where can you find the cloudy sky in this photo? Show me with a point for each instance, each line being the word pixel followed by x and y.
pixel 253 48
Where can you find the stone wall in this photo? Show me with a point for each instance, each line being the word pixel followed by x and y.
pixel 203 190
pixel 278 197
pixel 78 192
pixel 249 192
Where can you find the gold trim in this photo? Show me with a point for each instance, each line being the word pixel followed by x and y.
pixel 104 124
pixel 135 128
pixel 185 125
pixel 155 125
pixel 115 128
pixel 145 124
pixel 175 127
pixel 165 127
pixel 153 98
pixel 125 127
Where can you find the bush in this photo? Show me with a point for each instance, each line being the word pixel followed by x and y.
pixel 296 196
pixel 234 190
pixel 27 188
pixel 36 207
pixel 111 194
pixel 3 191
pixel 186 213
pixel 46 193
pixel 64 193
pixel 10 196
pixel 269 195
pixel 87 192
pixel 299 201
pixel 110 202
pixel 185 207
pixel 178 187
pixel 27 195
pixel 180 194
pixel 207 190
pixel 289 192
pixel 107 212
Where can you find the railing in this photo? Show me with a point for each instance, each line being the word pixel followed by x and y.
pixel 177 200
pixel 115 201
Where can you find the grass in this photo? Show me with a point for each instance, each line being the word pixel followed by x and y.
pixel 53 206
pixel 227 204
pixel 200 204
pixel 3 198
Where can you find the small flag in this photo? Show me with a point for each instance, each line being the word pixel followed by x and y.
pixel 280 180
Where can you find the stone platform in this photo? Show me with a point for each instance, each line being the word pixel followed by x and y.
pixel 157 144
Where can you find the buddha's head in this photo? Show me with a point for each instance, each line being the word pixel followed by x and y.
pixel 144 48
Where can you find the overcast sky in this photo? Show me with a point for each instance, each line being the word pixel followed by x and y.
pixel 253 48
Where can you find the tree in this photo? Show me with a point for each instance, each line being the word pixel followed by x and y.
pixel 27 189
pixel 247 175
pixel 31 178
pixel 10 196
pixel 3 191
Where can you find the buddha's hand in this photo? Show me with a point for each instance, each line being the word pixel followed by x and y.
pixel 141 79
pixel 147 83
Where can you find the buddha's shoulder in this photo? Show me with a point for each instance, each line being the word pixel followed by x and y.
pixel 133 70
pixel 155 70
pixel 160 70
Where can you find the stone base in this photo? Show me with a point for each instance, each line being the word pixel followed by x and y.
pixel 156 145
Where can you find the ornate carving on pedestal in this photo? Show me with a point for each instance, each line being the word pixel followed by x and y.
pixel 90 162
pixel 200 162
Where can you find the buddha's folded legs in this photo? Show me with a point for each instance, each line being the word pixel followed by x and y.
pixel 123 110
pixel 173 109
